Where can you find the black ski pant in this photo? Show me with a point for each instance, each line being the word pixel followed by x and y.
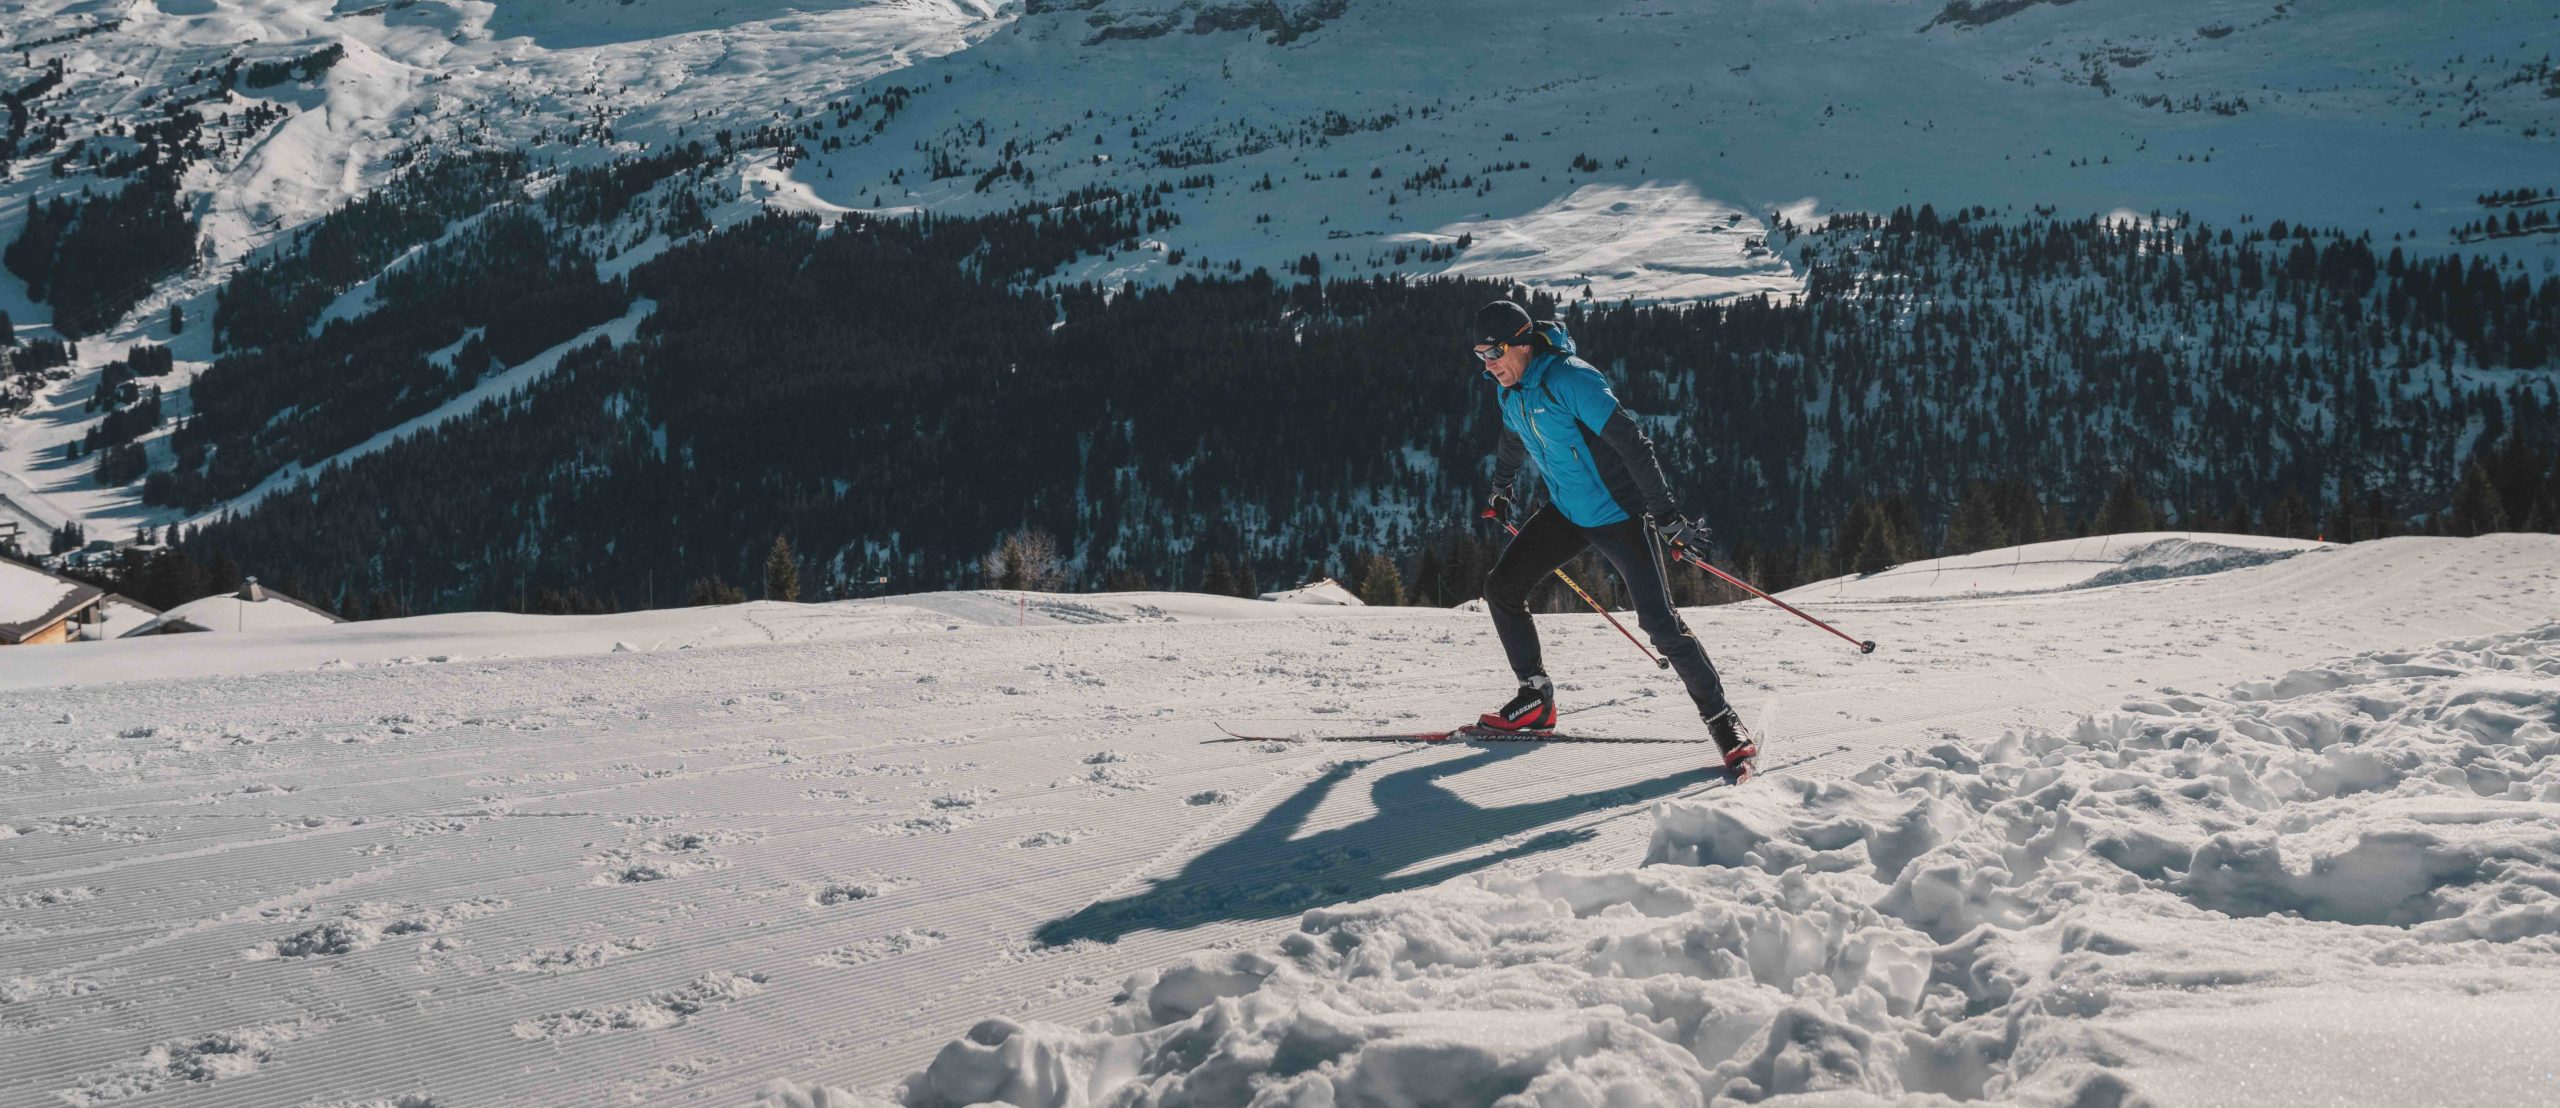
pixel 1548 541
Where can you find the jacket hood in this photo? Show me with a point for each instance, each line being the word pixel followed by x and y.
pixel 1553 332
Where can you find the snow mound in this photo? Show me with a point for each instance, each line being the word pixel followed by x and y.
pixel 2183 558
pixel 2088 563
pixel 1324 591
pixel 2130 910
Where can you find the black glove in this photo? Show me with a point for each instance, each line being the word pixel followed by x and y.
pixel 1497 507
pixel 1684 534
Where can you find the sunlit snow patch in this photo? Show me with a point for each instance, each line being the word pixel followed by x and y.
pixel 1651 241
pixel 2138 908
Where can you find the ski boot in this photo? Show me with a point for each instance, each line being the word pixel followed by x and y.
pixel 1741 751
pixel 1533 710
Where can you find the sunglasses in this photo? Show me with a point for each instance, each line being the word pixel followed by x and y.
pixel 1492 354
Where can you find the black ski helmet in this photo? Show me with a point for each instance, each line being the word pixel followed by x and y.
pixel 1499 322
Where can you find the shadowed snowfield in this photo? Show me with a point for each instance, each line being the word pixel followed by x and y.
pixel 2196 820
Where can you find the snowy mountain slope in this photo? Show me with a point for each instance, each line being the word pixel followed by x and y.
pixel 587 24
pixel 416 79
pixel 1635 149
pixel 676 874
pixel 1409 124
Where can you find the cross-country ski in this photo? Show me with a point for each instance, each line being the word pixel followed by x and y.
pixel 1472 733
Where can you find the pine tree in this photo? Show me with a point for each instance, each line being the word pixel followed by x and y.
pixel 1221 579
pixel 2476 510
pixel 1976 525
pixel 177 319
pixel 2380 520
pixel 2022 514
pixel 1380 585
pixel 1875 549
pixel 1904 534
pixel 1850 537
pixel 781 572
pixel 1428 582
pixel 2126 511
pixel 1814 565
pixel 1246 585
pixel 2291 517
pixel 2237 521
pixel 2341 523
pixel 224 577
pixel 1466 568
pixel 1005 569
pixel 2515 469
pixel 712 590
pixel 2546 507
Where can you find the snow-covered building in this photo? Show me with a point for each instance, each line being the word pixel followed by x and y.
pixel 38 607
pixel 253 608
pixel 115 616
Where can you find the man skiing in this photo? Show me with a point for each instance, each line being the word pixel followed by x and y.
pixel 1597 464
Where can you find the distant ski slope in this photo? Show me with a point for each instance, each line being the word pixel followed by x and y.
pixel 820 842
pixel 1634 149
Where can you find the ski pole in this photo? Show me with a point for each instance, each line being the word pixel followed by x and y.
pixel 1865 646
pixel 1659 663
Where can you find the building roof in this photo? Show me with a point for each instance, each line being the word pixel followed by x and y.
pixel 32 599
pixel 253 608
pixel 116 615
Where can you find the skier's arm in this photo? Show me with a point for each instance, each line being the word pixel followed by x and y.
pixel 1631 443
pixel 1592 403
pixel 1509 454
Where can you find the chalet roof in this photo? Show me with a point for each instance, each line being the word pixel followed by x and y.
pixel 253 608
pixel 32 599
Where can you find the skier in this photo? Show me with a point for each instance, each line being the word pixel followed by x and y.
pixel 1597 464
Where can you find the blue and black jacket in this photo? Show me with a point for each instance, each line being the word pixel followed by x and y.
pixel 1599 466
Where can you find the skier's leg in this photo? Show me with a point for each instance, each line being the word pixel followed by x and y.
pixel 1547 541
pixel 1638 559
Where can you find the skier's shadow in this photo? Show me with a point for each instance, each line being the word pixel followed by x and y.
pixel 1267 873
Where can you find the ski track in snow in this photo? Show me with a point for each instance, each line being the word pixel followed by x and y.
pixel 676 875
pixel 2195 899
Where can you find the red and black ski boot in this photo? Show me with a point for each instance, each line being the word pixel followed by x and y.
pixel 1741 751
pixel 1533 710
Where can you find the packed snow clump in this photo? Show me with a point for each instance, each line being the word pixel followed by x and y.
pixel 2162 904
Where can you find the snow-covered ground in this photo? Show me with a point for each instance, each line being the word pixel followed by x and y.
pixel 2060 564
pixel 2262 834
